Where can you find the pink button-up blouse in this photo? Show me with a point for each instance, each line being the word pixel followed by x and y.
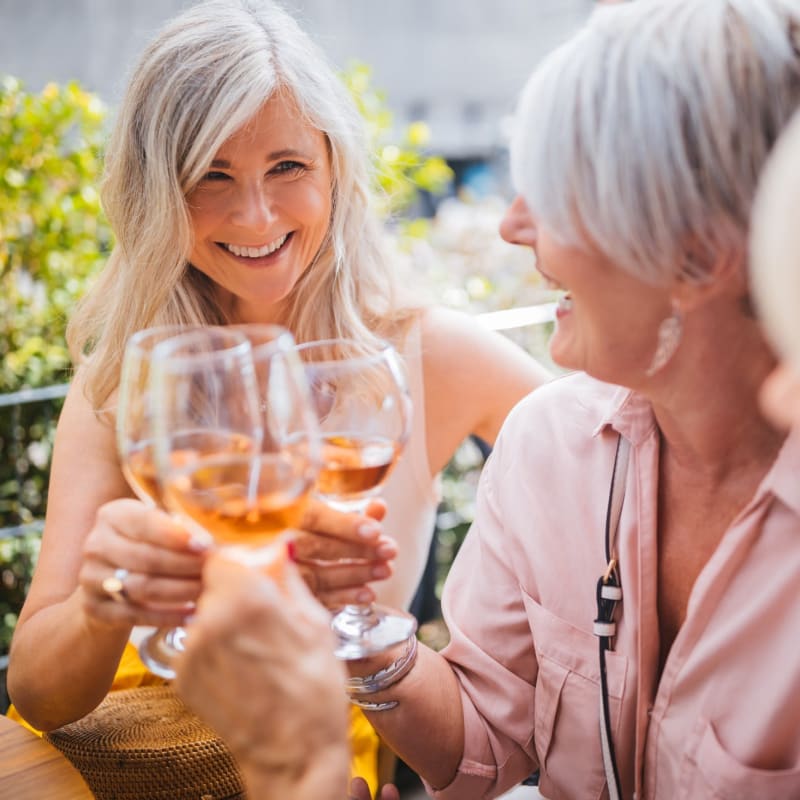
pixel 723 721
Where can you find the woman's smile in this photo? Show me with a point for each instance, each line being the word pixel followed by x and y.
pixel 258 255
pixel 563 305
pixel 564 298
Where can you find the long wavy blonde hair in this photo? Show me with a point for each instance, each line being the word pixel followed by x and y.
pixel 204 76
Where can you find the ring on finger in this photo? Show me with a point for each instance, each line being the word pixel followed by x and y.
pixel 114 585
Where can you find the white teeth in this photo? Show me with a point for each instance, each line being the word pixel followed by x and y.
pixel 565 302
pixel 256 252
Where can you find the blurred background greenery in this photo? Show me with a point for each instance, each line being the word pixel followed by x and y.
pixel 53 237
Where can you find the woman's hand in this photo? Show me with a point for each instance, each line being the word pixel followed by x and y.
pixel 259 668
pixel 157 564
pixel 338 554
pixel 360 791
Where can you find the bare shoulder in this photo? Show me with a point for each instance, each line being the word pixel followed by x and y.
pixel 473 377
pixel 85 471
pixel 80 419
pixel 458 347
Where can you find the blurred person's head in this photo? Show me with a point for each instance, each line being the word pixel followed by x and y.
pixel 775 268
pixel 219 84
pixel 638 147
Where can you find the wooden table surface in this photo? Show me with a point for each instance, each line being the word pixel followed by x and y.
pixel 32 769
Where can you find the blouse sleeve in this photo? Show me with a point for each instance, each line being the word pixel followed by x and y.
pixel 491 649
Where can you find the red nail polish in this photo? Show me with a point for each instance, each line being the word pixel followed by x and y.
pixel 291 551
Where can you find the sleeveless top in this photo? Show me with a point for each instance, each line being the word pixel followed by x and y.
pixel 411 494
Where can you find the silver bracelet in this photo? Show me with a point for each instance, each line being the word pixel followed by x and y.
pixel 382 679
pixel 367 706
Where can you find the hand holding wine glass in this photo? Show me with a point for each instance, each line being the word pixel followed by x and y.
pixel 364 412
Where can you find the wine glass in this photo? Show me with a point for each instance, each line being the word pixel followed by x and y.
pixel 235 453
pixel 290 430
pixel 364 411
pixel 134 430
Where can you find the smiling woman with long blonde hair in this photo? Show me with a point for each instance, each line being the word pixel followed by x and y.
pixel 238 187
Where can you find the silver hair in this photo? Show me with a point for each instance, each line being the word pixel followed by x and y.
pixel 645 133
pixel 775 245
pixel 204 76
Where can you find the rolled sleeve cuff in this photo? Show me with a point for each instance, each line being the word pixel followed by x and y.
pixel 475 775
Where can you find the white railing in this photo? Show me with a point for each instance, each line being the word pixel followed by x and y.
pixel 519 317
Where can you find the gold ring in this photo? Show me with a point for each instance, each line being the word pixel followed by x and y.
pixel 114 585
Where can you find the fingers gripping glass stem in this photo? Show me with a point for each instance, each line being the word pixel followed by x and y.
pixel 364 412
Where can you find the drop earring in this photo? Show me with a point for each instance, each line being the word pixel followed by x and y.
pixel 669 337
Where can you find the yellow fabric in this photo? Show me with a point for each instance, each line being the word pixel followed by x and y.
pixel 363 739
pixel 364 749
pixel 12 712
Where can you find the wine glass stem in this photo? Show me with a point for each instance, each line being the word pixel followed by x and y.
pixel 357 616
pixel 362 614
pixel 363 629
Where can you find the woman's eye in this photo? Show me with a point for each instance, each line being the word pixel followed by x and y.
pixel 288 167
pixel 215 176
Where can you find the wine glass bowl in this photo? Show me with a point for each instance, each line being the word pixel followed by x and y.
pixel 134 421
pixel 363 409
pixel 364 414
pixel 234 451
pixel 353 470
pixel 134 432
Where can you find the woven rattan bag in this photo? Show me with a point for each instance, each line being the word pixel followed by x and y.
pixel 145 744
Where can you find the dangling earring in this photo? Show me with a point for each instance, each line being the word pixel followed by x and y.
pixel 669 337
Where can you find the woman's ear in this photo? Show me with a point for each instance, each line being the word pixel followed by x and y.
pixel 707 276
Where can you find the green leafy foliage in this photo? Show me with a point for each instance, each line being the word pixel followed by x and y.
pixel 53 235
pixel 403 168
pixel 17 558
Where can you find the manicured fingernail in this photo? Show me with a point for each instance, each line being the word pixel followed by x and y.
pixel 381 571
pixel 368 530
pixel 198 544
pixel 291 551
pixel 364 596
pixel 386 550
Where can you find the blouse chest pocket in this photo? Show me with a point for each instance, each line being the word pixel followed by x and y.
pixel 567 705
pixel 710 772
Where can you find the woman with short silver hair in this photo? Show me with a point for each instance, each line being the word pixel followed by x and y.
pixel 624 609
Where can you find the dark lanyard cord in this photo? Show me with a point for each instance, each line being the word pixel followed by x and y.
pixel 609 596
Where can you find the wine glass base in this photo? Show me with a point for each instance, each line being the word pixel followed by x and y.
pixel 158 650
pixel 362 633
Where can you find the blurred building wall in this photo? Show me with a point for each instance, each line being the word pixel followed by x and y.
pixel 458 64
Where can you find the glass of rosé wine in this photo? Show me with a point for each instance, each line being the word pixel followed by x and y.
pixel 236 441
pixel 134 428
pixel 363 407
